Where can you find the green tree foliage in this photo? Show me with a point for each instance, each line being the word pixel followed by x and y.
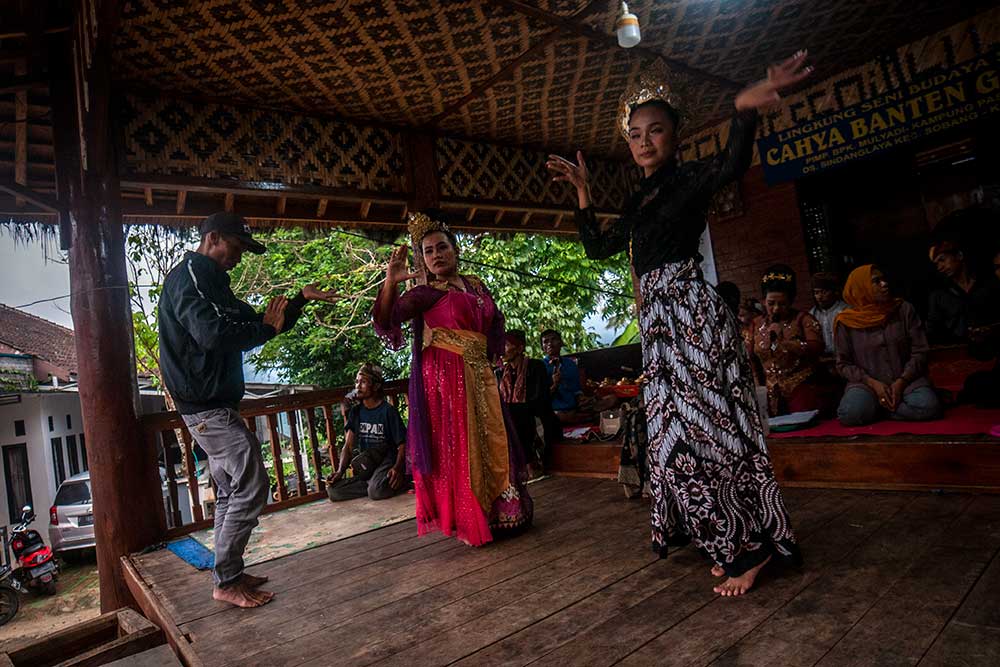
pixel 332 340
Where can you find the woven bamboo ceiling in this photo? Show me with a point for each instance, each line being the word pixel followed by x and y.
pixel 542 73
pixel 300 111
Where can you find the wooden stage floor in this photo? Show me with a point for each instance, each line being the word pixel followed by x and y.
pixel 891 578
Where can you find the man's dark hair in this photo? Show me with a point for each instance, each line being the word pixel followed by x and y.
pixel 549 332
pixel 518 335
pixel 373 373
pixel 730 293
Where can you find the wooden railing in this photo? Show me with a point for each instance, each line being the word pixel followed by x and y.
pixel 161 430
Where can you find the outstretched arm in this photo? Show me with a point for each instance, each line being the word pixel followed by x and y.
pixel 600 243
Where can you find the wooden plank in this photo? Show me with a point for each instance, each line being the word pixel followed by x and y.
pixel 373 586
pixel 122 647
pixel 66 642
pixel 276 463
pixel 802 631
pixel 293 431
pixel 616 637
pixel 589 458
pixel 366 207
pixel 270 508
pixel 181 201
pixel 230 202
pixel 525 218
pixel 320 483
pixel 471 214
pixel 192 477
pixel 282 203
pixel 498 216
pixel 161 656
pixel 964 646
pixel 129 622
pixel 901 627
pixel 154 611
pixel 148 196
pixel 20 133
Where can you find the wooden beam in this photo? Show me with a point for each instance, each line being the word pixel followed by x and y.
pixel 525 218
pixel 147 194
pixel 470 214
pixel 282 201
pixel 402 215
pixel 573 26
pixel 321 207
pixel 181 201
pixel 498 217
pixel 366 206
pixel 421 171
pixel 21 83
pixel 256 188
pixel 230 202
pixel 558 221
pixel 40 200
pixel 20 134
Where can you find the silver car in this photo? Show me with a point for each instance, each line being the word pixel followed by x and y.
pixel 71 518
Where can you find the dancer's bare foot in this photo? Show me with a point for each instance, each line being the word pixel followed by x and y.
pixel 241 595
pixel 717 571
pixel 734 586
pixel 253 581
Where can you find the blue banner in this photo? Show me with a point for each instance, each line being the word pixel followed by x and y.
pixel 934 103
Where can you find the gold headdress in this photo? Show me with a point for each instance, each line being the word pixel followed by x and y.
pixel 652 85
pixel 777 277
pixel 420 225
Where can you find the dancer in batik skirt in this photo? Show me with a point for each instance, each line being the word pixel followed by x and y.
pixel 710 475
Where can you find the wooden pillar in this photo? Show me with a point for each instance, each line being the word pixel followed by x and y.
pixel 128 504
pixel 423 183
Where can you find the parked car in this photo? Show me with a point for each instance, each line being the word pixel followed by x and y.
pixel 71 518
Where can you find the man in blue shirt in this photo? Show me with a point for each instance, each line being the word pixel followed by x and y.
pixel 375 447
pixel 564 374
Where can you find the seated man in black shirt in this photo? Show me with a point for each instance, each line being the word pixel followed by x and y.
pixel 524 386
pixel 376 431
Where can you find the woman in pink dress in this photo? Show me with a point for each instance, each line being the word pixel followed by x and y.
pixel 468 470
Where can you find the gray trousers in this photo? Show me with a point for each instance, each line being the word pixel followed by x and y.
pixel 376 488
pixel 237 466
pixel 859 407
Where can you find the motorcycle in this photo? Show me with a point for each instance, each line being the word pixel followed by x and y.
pixel 38 568
pixel 10 587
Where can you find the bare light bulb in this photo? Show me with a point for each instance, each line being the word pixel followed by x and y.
pixel 627 28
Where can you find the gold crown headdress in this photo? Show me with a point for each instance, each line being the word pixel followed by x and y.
pixel 652 85
pixel 777 277
pixel 420 225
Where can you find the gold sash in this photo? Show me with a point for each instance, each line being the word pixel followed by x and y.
pixel 489 465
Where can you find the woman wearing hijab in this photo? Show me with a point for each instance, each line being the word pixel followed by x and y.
pixel 882 353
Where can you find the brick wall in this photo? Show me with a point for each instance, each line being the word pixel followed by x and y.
pixel 768 232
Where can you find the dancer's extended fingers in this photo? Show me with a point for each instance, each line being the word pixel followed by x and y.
pixel 579 161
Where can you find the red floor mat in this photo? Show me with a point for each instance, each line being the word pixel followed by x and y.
pixel 961 420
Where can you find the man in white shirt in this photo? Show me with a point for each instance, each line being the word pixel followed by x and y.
pixel 826 294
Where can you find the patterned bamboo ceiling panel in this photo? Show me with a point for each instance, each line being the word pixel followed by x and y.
pixel 738 39
pixel 477 170
pixel 567 99
pixel 213 141
pixel 393 61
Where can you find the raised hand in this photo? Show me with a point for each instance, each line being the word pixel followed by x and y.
pixel 575 174
pixel 779 77
pixel 397 270
pixel 314 293
pixel 274 314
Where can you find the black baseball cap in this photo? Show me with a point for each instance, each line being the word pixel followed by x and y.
pixel 233 225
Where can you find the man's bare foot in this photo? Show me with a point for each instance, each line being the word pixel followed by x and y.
pixel 717 571
pixel 242 596
pixel 734 586
pixel 253 581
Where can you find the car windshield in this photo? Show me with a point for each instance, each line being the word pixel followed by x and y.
pixel 73 493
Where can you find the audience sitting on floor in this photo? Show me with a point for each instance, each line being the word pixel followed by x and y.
pixel 375 445
pixel 788 344
pixel 948 306
pixel 827 305
pixel 882 353
pixel 524 386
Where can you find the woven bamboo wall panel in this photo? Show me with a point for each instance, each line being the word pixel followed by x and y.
pixel 213 141
pixel 959 42
pixel 476 170
pixel 390 61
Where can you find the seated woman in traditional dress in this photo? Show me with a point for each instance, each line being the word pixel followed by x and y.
pixel 788 343
pixel 468 469
pixel 882 353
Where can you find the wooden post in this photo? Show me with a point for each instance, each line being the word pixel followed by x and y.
pixel 279 467
pixel 20 133
pixel 293 432
pixel 192 477
pixel 320 483
pixel 331 435
pixel 175 511
pixel 125 482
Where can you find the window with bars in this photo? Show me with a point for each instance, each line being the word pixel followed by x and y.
pixel 58 465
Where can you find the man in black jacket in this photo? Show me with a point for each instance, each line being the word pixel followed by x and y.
pixel 204 331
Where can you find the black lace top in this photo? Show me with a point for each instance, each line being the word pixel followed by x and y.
pixel 663 221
